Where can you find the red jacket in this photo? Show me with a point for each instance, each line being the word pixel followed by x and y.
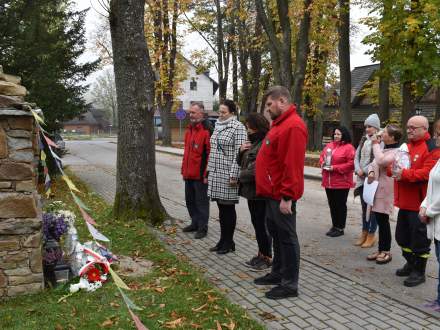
pixel 343 166
pixel 280 161
pixel 410 190
pixel 197 148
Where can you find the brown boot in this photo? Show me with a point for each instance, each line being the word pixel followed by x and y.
pixel 361 238
pixel 369 242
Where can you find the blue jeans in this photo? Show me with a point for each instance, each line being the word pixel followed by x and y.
pixel 437 253
pixel 370 226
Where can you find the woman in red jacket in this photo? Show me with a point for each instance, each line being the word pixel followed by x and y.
pixel 337 163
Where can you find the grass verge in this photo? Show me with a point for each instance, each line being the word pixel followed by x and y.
pixel 173 296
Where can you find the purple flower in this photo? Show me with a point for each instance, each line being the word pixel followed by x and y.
pixel 54 226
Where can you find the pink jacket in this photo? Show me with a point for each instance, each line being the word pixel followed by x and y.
pixel 384 197
pixel 343 166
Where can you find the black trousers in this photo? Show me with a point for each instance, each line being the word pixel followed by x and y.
pixel 337 201
pixel 411 234
pixel 383 221
pixel 197 203
pixel 228 221
pixel 257 209
pixel 286 251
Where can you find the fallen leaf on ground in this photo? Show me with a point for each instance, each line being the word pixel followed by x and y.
pixel 175 323
pixel 107 323
pixel 267 316
pixel 114 304
pixel 243 276
pixel 198 309
pixel 230 326
pixel 212 298
pixel 219 327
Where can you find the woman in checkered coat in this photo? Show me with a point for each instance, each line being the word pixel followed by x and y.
pixel 223 172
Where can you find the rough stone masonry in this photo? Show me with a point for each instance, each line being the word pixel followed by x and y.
pixel 21 270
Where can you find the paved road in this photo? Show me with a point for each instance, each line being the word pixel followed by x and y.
pixel 94 161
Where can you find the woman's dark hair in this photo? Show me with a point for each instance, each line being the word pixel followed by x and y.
pixel 231 105
pixel 346 136
pixel 258 122
pixel 394 131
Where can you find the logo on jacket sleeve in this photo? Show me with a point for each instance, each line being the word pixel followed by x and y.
pixel 267 142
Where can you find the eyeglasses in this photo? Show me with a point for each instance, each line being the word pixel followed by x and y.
pixel 412 128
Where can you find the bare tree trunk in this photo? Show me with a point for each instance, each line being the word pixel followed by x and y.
pixel 344 63
pixel 221 53
pixel 136 184
pixel 302 53
pixel 384 98
pixel 408 104
pixel 437 105
pixel 280 50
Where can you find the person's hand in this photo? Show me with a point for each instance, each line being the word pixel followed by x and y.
pixel 397 173
pixel 233 182
pixel 330 168
pixel 205 180
pixel 370 177
pixel 286 207
pixel 360 173
pixel 422 215
pixel 245 146
pixel 375 139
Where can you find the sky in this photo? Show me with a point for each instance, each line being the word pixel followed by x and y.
pixel 193 41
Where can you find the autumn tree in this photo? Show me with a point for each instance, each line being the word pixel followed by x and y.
pixel 406 40
pixel 344 63
pixel 321 66
pixel 277 24
pixel 136 182
pixel 162 20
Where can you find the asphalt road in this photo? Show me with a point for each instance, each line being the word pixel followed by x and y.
pixel 313 220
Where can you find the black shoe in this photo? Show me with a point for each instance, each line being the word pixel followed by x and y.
pixel 336 233
pixel 252 262
pixel 201 234
pixel 331 231
pixel 215 248
pixel 263 263
pixel 226 249
pixel 414 279
pixel 268 279
pixel 281 292
pixel 405 270
pixel 189 229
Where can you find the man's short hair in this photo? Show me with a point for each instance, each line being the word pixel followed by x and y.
pixel 275 92
pixel 199 104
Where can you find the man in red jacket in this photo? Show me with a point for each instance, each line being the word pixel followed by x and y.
pixel 280 179
pixel 195 159
pixel 410 191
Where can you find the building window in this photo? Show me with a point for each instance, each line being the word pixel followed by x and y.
pixel 193 84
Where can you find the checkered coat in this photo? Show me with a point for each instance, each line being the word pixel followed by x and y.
pixel 225 143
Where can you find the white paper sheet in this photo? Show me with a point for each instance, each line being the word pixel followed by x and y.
pixel 369 191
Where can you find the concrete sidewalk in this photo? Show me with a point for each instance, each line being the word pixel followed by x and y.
pixel 327 300
pixel 312 173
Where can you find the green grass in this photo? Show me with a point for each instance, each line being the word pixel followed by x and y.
pixel 173 295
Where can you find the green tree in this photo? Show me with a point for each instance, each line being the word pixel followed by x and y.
pixel 406 41
pixel 41 41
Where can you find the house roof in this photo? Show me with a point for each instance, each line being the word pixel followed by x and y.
pixel 86 118
pixel 360 75
pixel 214 83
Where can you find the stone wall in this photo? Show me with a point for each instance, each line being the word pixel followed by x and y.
pixel 21 270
